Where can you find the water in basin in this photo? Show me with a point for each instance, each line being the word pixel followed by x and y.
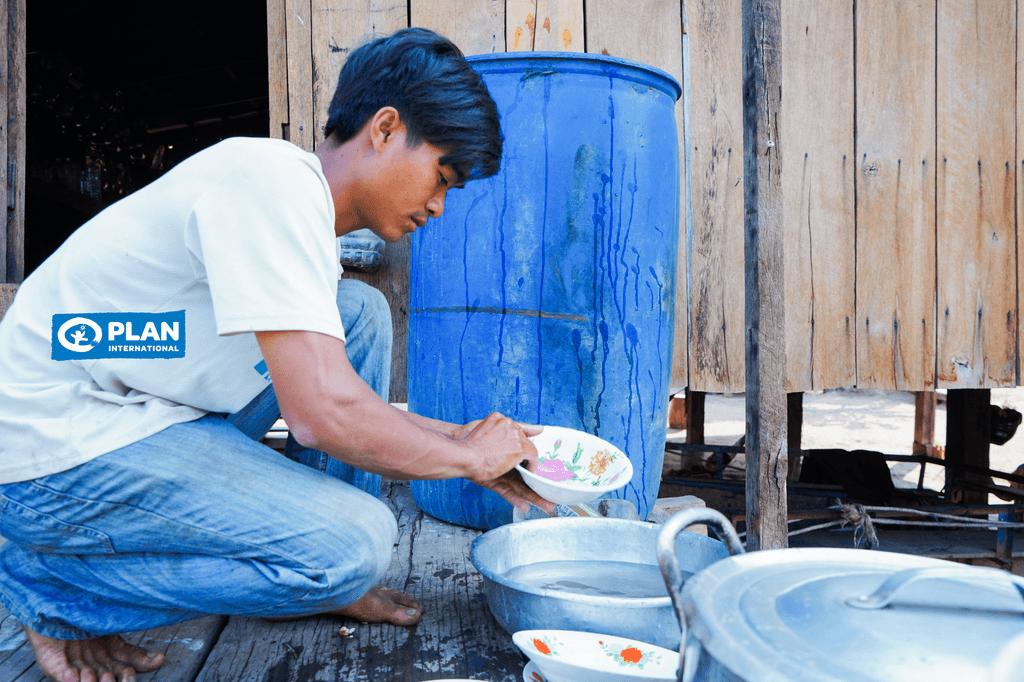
pixel 598 578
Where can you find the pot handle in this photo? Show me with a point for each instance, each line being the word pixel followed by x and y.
pixel 887 591
pixel 666 548
pixel 688 661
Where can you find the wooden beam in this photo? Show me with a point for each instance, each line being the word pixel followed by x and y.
pixel 767 456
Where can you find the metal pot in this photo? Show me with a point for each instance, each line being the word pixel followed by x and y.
pixel 518 606
pixel 840 615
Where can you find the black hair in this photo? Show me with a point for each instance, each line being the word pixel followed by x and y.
pixel 438 96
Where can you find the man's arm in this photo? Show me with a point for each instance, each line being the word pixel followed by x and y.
pixel 328 407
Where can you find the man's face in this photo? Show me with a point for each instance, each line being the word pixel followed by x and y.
pixel 409 185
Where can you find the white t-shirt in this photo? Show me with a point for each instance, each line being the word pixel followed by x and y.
pixel 239 236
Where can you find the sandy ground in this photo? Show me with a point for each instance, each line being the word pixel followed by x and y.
pixel 854 419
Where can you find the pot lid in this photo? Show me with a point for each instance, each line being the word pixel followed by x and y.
pixel 848 615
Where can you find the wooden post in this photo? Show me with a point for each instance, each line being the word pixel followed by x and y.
pixel 16 100
pixel 968 430
pixel 767 457
pixel 695 417
pixel 4 161
pixel 924 424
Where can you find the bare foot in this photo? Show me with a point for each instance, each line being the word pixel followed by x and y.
pixel 379 605
pixel 384 605
pixel 101 659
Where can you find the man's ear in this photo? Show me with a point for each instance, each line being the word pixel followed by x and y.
pixel 383 126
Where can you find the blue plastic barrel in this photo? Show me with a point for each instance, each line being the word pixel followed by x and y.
pixel 547 292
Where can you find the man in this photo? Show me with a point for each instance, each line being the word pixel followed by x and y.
pixel 135 492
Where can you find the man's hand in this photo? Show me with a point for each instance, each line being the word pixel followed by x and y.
pixel 498 444
pixel 502 443
pixel 511 487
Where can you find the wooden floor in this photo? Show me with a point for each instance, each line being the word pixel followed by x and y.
pixel 457 638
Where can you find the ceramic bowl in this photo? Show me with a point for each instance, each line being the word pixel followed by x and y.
pixel 576 467
pixel 570 656
pixel 531 673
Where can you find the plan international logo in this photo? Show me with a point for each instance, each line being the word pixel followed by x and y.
pixel 91 336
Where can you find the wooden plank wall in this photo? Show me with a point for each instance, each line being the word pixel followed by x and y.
pixel 901 200
pixel 900 174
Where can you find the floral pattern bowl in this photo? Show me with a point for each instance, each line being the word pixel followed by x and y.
pixel 575 466
pixel 572 656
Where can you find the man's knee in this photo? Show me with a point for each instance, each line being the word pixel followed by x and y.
pixel 365 544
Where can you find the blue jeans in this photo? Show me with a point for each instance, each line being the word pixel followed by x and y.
pixel 201 518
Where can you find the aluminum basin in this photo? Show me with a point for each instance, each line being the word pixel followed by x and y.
pixel 517 606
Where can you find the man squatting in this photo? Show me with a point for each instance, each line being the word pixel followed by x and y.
pixel 135 492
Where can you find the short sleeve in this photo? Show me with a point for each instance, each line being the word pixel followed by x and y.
pixel 264 234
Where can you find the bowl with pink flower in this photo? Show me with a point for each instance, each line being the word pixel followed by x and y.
pixel 575 467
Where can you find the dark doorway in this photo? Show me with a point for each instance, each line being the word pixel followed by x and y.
pixel 119 92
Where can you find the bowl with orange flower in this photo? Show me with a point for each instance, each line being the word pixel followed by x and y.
pixel 572 656
pixel 575 467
